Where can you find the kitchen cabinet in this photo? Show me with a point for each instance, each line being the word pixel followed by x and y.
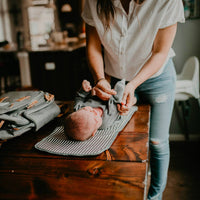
pixel 59 72
pixel 9 71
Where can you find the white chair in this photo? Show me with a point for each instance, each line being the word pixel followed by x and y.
pixel 187 86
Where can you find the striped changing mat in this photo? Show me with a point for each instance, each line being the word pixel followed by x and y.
pixel 57 143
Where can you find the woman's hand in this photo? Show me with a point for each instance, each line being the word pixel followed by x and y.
pixel 128 99
pixel 103 90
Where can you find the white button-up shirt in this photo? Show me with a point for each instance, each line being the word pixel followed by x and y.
pixel 129 40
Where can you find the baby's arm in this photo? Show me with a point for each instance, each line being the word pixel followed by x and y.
pixel 82 94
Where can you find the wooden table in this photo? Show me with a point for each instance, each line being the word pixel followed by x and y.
pixel 119 173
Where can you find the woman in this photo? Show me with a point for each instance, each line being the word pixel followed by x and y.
pixel 136 37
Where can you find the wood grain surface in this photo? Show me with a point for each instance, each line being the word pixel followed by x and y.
pixel 118 173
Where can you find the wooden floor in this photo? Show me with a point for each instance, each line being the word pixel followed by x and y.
pixel 118 173
pixel 184 171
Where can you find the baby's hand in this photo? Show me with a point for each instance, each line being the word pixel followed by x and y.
pixel 86 86
pixel 123 107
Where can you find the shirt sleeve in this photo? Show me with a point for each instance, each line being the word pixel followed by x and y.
pixel 173 14
pixel 86 14
pixel 81 96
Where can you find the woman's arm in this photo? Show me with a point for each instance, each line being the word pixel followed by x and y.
pixel 94 53
pixel 162 44
pixel 95 61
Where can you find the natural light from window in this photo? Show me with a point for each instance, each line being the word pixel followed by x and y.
pixel 41 23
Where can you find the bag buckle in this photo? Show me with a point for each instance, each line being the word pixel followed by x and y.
pixel 32 104
pixel 49 96
pixel 1 123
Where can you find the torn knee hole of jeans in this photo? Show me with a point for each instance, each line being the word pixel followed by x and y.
pixel 161 98
pixel 155 142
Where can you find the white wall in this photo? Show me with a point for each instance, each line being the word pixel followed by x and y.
pixel 186 44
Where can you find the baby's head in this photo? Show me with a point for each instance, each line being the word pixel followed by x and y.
pixel 83 124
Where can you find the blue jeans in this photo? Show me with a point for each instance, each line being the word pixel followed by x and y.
pixel 159 92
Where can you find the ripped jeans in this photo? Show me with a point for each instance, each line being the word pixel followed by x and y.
pixel 159 92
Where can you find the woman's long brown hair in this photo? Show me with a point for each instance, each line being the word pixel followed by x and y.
pixel 106 10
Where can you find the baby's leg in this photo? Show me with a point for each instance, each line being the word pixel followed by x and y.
pixel 86 86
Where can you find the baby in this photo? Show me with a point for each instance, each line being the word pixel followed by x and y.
pixel 84 123
pixel 91 113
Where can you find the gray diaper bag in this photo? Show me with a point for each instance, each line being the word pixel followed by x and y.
pixel 21 111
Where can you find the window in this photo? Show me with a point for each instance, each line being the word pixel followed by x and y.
pixel 41 24
pixel 191 9
pixel 5 27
